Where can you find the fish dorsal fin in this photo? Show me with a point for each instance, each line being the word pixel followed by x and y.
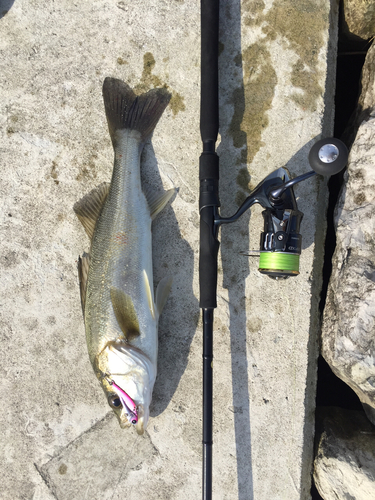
pixel 90 206
pixel 126 316
pixel 157 201
pixel 150 298
pixel 162 292
pixel 83 272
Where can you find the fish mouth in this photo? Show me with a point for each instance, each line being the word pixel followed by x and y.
pixel 141 424
pixel 133 373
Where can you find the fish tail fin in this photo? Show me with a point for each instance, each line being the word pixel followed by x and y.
pixel 125 110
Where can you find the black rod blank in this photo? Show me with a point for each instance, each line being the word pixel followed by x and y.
pixel 209 118
pixel 208 208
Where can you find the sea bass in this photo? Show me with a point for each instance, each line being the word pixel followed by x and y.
pixel 116 282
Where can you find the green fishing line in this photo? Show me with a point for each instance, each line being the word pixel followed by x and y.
pixel 279 261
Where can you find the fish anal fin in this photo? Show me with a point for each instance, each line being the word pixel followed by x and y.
pixel 162 292
pixel 150 298
pixel 125 313
pixel 157 201
pixel 90 206
pixel 83 272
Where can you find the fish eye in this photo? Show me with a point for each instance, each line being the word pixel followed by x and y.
pixel 114 402
pixel 134 422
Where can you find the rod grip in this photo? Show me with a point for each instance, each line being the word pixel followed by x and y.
pixel 209 243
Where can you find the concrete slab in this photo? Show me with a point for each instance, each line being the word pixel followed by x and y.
pixel 57 436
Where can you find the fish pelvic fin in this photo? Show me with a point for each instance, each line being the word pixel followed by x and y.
pixel 83 272
pixel 125 110
pixel 157 201
pixel 126 316
pixel 162 292
pixel 90 206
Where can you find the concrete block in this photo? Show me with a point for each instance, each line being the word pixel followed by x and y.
pixel 277 68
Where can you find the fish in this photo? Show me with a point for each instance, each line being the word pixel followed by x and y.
pixel 120 309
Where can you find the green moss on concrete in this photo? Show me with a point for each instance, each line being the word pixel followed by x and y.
pixel 255 97
pixel 300 26
pixel 149 81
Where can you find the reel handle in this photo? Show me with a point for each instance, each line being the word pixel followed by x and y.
pixel 326 157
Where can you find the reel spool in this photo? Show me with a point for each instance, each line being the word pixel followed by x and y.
pixel 280 244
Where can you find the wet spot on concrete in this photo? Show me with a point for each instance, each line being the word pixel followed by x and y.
pixel 301 26
pixel 121 61
pixel 177 103
pixel 63 469
pixel 306 80
pixel 149 81
pixel 256 96
pixel 253 8
pixel 54 172
pixel 254 324
pixel 88 168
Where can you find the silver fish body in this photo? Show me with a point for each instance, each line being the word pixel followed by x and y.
pixel 120 311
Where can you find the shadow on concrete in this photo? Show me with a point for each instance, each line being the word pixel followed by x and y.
pixel 235 271
pixel 177 324
pixel 298 164
pixel 5 6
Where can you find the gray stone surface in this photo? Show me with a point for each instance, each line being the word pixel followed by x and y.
pixel 344 467
pixel 349 316
pixel 275 100
pixel 359 18
pixel 366 101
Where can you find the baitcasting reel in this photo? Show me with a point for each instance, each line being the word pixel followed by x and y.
pixel 280 242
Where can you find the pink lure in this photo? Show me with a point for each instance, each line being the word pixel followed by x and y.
pixel 127 403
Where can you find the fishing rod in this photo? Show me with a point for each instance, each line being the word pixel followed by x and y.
pixel 280 242
pixel 208 207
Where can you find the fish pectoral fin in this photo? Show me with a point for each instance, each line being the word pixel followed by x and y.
pixel 150 298
pixel 83 272
pixel 162 292
pixel 156 201
pixel 126 316
pixel 90 206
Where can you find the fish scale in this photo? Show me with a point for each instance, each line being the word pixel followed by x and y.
pixel 125 210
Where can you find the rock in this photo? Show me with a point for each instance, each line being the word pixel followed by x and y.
pixel 348 324
pixel 366 101
pixel 349 316
pixel 344 467
pixel 359 18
